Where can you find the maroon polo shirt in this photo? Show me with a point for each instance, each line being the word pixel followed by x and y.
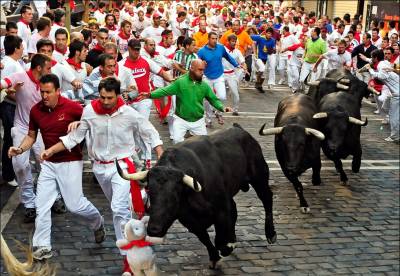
pixel 53 123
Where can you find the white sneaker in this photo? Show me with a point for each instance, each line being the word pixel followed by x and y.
pixel 281 81
pixel 42 252
pixel 13 183
pixel 376 111
pixel 388 139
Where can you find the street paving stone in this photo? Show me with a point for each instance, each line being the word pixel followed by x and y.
pixel 351 229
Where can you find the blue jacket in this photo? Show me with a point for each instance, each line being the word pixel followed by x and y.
pixel 213 57
pixel 263 46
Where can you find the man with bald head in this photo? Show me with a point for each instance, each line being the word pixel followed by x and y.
pixel 77 36
pixel 190 93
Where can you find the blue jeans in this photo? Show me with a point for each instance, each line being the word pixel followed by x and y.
pixel 7 111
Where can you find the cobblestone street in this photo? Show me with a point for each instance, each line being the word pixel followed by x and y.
pixel 350 230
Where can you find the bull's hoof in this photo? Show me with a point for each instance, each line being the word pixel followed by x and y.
pixel 245 187
pixel 305 210
pixel 227 249
pixel 343 183
pixel 213 264
pixel 272 240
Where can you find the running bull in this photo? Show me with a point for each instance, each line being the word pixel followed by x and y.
pixel 297 141
pixel 195 182
pixel 340 120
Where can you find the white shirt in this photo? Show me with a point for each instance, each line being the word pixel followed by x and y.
pixel 175 26
pixel 237 55
pixel 59 57
pixel 154 33
pixel 32 43
pixel 100 17
pixel 53 29
pixel 63 73
pixel 377 43
pixel 10 66
pixel 287 42
pixel 139 26
pixel 333 36
pixel 390 79
pixel 24 32
pixel 112 137
pixel 336 61
pixel 67 90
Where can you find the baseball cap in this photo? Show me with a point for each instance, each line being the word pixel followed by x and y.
pixel 156 15
pixel 134 44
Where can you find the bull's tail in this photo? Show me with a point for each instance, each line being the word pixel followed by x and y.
pixel 16 268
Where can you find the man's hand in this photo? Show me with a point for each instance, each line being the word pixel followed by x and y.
pixel 89 69
pixel 228 109
pixel 315 69
pixel 72 126
pixel 131 87
pixel 14 151
pixel 76 84
pixel 46 154
pixel 159 151
pixel 143 96
pixel 364 58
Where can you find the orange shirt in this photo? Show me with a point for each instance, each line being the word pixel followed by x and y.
pixel 201 39
pixel 243 41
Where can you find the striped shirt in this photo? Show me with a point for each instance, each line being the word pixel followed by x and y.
pixel 184 60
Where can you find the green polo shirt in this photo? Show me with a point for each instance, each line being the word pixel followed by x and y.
pixel 317 47
pixel 189 97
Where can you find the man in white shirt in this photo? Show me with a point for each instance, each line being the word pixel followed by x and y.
pixel 140 23
pixel 375 39
pixel 179 26
pixel 11 29
pixel 233 75
pixel 112 126
pixel 59 23
pixel 153 31
pixel 13 46
pixel 337 58
pixel 100 13
pixel 287 39
pixel 392 26
pixel 43 30
pixel 60 53
pixel 24 31
pixel 336 35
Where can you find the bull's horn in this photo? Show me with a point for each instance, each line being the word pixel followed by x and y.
pixel 316 133
pixel 320 115
pixel 270 131
pixel 134 176
pixel 358 122
pixel 188 180
pixel 373 90
pixel 347 81
pixel 341 86
pixel 313 83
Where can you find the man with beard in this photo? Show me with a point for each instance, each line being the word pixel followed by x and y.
pixel 190 92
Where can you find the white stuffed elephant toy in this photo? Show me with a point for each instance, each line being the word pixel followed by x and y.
pixel 140 255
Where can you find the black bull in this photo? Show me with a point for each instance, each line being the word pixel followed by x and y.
pixel 195 182
pixel 297 142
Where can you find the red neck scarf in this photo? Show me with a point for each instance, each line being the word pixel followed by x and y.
pixel 60 51
pixel 241 29
pixel 374 40
pixel 25 22
pixel 33 79
pixel 393 59
pixel 77 66
pixel 162 44
pixel 100 110
pixel 203 32
pixel 113 28
pixel 230 48
pixel 138 243
pixel 53 62
pixel 98 47
pixel 122 35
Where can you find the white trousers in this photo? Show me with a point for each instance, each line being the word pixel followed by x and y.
pixel 283 68
pixel 294 73
pixel 143 107
pixel 117 191
pixel 271 66
pixel 232 81
pixel 218 86
pixel 65 177
pixel 181 126
pixel 170 117
pixel 22 167
pixel 306 68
